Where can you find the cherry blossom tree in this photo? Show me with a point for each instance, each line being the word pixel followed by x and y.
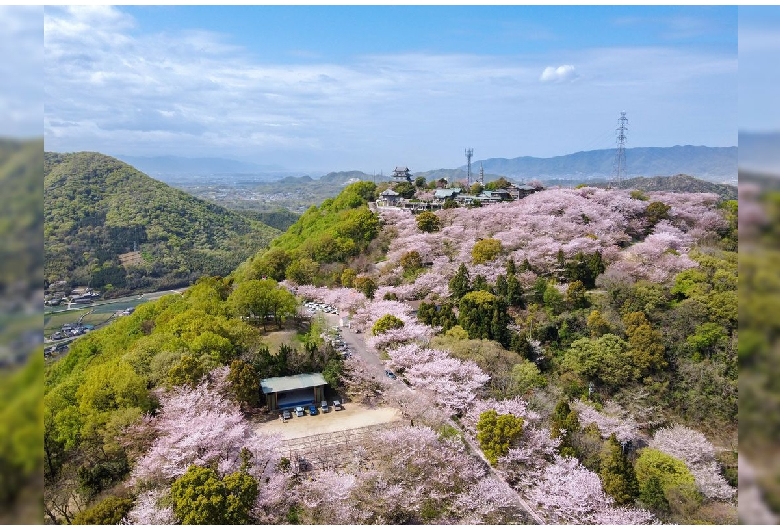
pixel 199 426
pixel 148 510
pixel 455 383
pixel 612 419
pixel 698 454
pixel 568 493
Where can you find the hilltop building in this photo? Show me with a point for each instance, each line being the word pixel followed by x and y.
pixel 388 198
pixel 402 173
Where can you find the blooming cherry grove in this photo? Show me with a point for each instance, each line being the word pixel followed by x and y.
pixel 698 453
pixel 586 220
pixel 198 426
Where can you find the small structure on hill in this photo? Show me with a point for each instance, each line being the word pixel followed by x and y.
pixel 446 193
pixel 521 191
pixel 388 198
pixel 293 390
pixel 402 173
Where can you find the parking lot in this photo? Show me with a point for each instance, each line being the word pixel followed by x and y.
pixel 353 416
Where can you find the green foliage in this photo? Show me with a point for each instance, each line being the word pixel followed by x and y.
pixel 21 428
pixel 476 188
pixel 603 360
pixel 501 183
pixel 244 383
pixel 526 377
pixel 655 212
pixel 496 433
pixel 200 496
pixel 597 324
pixel 428 222
pixel 564 423
pixel 366 285
pixel 616 473
pixel 483 315
pixel 411 262
pixel 97 208
pixel 332 372
pixel 485 250
pixel 335 231
pixel 433 315
pixel 260 300
pixel 646 350
pixel 584 268
pixel 405 189
pixel 420 182
pixel 671 475
pixel 348 277
pixel 188 371
pixel 576 296
pixel 553 299
pixel 639 195
pixel 109 511
pixel 460 283
pixel 385 323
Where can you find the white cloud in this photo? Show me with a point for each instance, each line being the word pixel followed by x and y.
pixel 115 89
pixel 552 74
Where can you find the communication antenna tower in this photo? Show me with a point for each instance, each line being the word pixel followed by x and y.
pixel 620 155
pixel 469 154
pixel 481 175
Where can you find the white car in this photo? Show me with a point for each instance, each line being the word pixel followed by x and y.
pixel 299 411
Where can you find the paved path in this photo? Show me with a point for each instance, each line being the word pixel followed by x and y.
pixel 371 358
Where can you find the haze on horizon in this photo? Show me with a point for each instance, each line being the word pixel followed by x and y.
pixel 369 88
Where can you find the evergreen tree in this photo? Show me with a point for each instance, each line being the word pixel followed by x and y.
pixel 564 423
pixel 460 283
pixel 616 472
pixel 514 292
pixel 510 267
pixel 501 287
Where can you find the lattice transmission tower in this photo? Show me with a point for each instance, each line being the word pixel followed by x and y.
pixel 620 154
pixel 469 154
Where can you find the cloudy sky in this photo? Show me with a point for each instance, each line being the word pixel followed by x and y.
pixel 21 70
pixel 370 88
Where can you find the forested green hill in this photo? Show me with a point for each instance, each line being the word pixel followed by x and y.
pixel 98 208
pixel 321 244
pixel 678 183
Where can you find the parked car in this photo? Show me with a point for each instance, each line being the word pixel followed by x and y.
pixel 287 415
pixel 312 410
pixel 390 374
pixel 337 405
pixel 324 406
pixel 299 411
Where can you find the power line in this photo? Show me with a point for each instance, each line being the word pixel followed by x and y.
pixel 620 154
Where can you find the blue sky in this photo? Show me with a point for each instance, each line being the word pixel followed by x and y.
pixel 368 88
pixel 759 73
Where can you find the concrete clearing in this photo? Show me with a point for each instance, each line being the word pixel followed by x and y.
pixel 353 416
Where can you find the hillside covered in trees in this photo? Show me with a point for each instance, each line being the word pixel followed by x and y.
pixel 679 183
pixel 98 210
pixel 584 340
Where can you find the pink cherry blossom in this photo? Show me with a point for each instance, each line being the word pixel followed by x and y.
pixel 698 453
pixel 611 420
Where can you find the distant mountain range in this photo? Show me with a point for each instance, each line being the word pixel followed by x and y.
pixel 708 163
pixel 717 164
pixel 759 152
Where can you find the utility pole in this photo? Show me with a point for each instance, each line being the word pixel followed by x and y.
pixel 469 154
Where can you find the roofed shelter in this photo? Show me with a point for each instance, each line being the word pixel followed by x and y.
pixel 293 390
